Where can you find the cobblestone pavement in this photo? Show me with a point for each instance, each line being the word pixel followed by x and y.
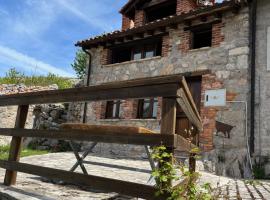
pixel 30 187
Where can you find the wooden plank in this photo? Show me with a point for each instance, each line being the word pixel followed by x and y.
pixel 100 129
pixel 190 98
pixel 80 135
pixel 160 86
pixel 188 110
pixel 94 182
pixel 92 93
pixel 16 143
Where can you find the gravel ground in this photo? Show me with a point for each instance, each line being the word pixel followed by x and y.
pixel 30 187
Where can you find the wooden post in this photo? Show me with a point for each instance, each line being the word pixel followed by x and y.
pixel 192 162
pixel 168 116
pixel 168 121
pixel 16 143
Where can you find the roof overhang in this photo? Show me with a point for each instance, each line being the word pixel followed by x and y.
pixel 158 26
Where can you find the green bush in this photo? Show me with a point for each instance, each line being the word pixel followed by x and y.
pixel 15 77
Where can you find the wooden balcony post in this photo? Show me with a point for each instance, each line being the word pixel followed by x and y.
pixel 16 143
pixel 168 118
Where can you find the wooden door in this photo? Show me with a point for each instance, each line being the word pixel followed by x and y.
pixel 182 122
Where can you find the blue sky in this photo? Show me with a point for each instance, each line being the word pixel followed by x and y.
pixel 38 36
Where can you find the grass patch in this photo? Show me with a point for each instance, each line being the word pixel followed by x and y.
pixel 4 152
pixel 15 77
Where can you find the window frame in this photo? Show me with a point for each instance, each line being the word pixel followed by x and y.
pixel 199 30
pixel 154 43
pixel 116 103
pixel 143 50
pixel 150 114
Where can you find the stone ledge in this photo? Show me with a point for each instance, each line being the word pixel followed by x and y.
pixel 132 61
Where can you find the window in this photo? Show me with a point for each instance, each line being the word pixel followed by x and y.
pixel 147 108
pixel 160 11
pixel 202 37
pixel 113 109
pixel 121 55
pixel 146 49
pixel 149 51
pixel 137 54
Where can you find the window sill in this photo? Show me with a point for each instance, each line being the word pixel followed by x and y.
pixel 133 61
pixel 200 49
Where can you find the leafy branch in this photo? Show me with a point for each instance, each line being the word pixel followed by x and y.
pixel 166 174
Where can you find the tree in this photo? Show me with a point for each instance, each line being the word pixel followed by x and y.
pixel 80 63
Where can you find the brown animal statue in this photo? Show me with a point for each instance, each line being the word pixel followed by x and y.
pixel 224 128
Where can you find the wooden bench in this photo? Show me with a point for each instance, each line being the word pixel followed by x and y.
pixel 100 129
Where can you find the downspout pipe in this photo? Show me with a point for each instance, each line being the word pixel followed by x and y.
pixel 87 83
pixel 252 43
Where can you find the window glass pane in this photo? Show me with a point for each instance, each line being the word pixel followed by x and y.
pixel 137 55
pixel 149 53
pixel 114 110
pixel 146 109
pixel 155 108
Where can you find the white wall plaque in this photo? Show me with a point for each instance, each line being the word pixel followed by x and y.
pixel 215 97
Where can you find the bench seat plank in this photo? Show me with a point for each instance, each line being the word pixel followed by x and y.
pixel 101 129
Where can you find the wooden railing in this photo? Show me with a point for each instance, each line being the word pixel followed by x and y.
pixel 173 89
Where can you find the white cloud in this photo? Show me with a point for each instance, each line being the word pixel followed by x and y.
pixel 33 19
pixel 76 8
pixel 13 57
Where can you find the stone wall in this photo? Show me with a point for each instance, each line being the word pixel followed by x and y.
pixel 49 117
pixel 262 105
pixel 8 114
pixel 228 62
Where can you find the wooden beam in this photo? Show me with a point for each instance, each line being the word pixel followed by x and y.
pixel 92 93
pixel 188 110
pixel 160 86
pixel 202 24
pixel 15 145
pixel 190 98
pixel 160 30
pixel 128 39
pixel 94 182
pixel 80 135
pixel 138 36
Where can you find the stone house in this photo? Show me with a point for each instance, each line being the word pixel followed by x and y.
pixel 261 84
pixel 211 43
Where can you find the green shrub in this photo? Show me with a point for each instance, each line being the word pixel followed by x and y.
pixel 15 77
pixel 166 173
